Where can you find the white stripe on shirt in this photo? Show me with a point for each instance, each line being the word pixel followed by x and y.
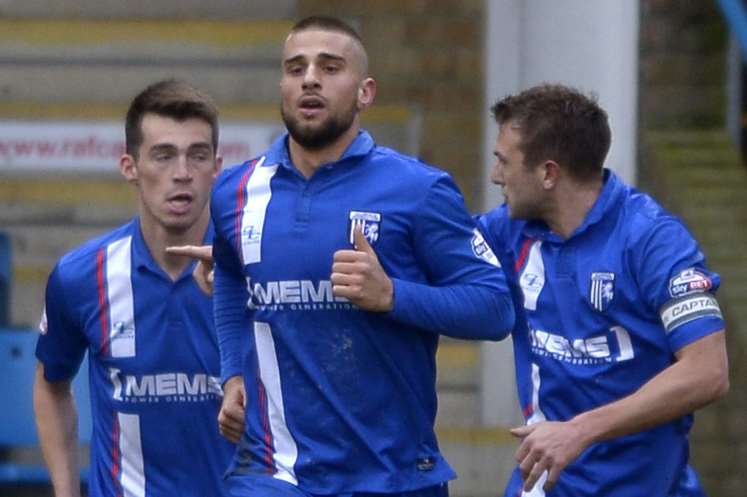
pixel 286 450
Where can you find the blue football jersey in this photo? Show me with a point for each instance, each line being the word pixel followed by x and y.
pixel 339 399
pixel 598 315
pixel 154 368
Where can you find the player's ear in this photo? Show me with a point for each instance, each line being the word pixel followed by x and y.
pixel 218 165
pixel 551 173
pixel 366 93
pixel 128 168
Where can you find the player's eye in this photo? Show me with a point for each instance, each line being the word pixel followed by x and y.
pixel 200 156
pixel 163 157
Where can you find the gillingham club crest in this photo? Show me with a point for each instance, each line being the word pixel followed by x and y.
pixel 602 290
pixel 368 222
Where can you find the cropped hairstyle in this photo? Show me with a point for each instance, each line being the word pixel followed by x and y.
pixel 326 23
pixel 558 123
pixel 171 98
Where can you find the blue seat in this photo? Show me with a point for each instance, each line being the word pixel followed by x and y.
pixel 17 427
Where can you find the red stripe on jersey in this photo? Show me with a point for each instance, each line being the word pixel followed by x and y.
pixel 103 305
pixel 241 199
pixel 528 411
pixel 523 254
pixel 116 469
pixel 269 462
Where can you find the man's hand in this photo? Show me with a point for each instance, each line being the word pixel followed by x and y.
pixel 547 446
pixel 231 415
pixel 203 272
pixel 358 276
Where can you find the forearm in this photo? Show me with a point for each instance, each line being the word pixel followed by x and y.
pixel 693 381
pixel 57 425
pixel 229 306
pixel 461 311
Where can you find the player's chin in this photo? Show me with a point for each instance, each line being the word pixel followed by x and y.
pixel 516 212
pixel 178 223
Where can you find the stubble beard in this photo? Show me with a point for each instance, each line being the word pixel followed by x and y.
pixel 326 133
pixel 525 211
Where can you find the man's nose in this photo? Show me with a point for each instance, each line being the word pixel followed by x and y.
pixel 311 78
pixel 182 170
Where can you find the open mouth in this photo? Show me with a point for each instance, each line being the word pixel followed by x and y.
pixel 310 105
pixel 180 202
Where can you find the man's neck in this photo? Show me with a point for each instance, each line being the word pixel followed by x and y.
pixel 308 161
pixel 157 238
pixel 571 205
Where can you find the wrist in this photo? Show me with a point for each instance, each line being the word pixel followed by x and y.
pixel 233 382
pixel 586 430
pixel 388 300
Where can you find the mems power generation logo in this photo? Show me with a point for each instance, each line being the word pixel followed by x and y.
pixel 164 387
pixel 295 295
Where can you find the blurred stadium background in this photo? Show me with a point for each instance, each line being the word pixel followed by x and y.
pixel 670 72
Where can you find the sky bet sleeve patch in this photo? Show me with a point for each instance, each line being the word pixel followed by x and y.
pixel 482 250
pixel 683 310
pixel 688 282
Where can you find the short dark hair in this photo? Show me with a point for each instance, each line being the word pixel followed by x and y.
pixel 326 23
pixel 558 123
pixel 168 98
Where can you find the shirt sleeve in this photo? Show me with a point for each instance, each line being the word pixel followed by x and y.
pixel 493 226
pixel 62 343
pixel 675 282
pixel 230 297
pixel 467 294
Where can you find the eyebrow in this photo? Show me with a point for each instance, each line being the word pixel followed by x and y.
pixel 325 55
pixel 322 55
pixel 162 147
pixel 169 147
pixel 206 145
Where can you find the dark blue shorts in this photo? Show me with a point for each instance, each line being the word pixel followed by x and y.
pixel 267 486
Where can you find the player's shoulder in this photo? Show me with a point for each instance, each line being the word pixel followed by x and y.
pixel 411 173
pixel 643 215
pixel 405 165
pixel 82 260
pixel 230 177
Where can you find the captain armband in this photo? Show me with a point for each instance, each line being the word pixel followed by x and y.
pixel 685 309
